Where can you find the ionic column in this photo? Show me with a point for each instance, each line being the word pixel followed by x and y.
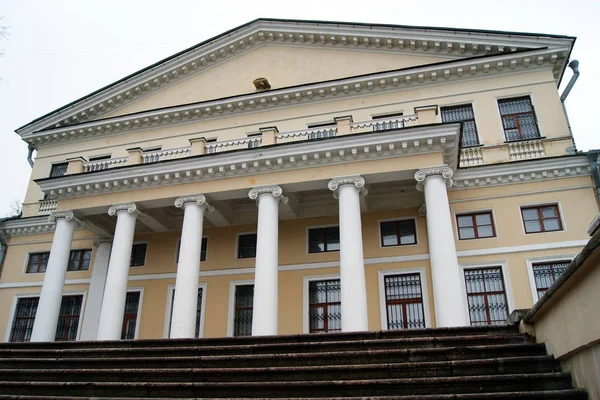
pixel 89 328
pixel 46 317
pixel 183 321
pixel 115 291
pixel 450 308
pixel 347 190
pixel 266 284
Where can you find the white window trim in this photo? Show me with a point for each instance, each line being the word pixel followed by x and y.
pixel 18 296
pixel 542 204
pixel 540 260
pixel 503 264
pixel 422 271
pixel 178 248
pixel 237 244
pixel 305 298
pixel 168 314
pixel 307 240
pixel 29 253
pixel 145 254
pixel 139 311
pixel 469 212
pixel 381 246
pixel 231 310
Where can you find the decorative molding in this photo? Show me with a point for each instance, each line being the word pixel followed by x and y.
pixel 445 172
pixel 272 190
pixel 356 180
pixel 102 240
pixel 131 208
pixel 67 215
pixel 422 210
pixel 199 199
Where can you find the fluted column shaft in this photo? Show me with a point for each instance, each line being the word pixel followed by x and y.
pixel 48 311
pixel 352 265
pixel 113 302
pixel 89 328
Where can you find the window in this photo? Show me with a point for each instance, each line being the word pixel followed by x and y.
pixel 202 250
pixel 541 219
pixel 37 262
pixel 98 158
pixel 388 121
pixel 325 311
pixel 255 140
pixel 398 233
pixel 518 118
pixel 322 130
pixel 58 170
pixel 138 254
pixel 244 302
pixel 130 316
pixel 68 320
pixel 404 301
pixel 463 114
pixel 321 240
pixel 247 246
pixel 475 225
pixel 545 274
pixel 198 312
pixel 486 296
pixel 79 260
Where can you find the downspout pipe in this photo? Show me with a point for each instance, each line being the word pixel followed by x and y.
pixel 574 65
pixel 592 157
pixel 3 245
pixel 30 150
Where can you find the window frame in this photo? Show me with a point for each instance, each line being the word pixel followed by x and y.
pixel 81 250
pixel 309 228
pixel 58 164
pixel 462 105
pixel 145 254
pixel 505 99
pixel 414 219
pixel 30 253
pixel 178 249
pixel 28 257
pixel 543 260
pixel 79 318
pixel 169 315
pixel 306 296
pixel 561 220
pixel 237 245
pixel 231 308
pixel 139 289
pixel 326 328
pixel 474 213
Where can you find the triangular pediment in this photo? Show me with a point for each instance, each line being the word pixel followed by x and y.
pixel 289 53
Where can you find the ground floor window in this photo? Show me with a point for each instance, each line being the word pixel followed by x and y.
pixel 130 316
pixel 68 321
pixel 486 296
pixel 545 274
pixel 198 312
pixel 244 303
pixel 325 311
pixel 404 301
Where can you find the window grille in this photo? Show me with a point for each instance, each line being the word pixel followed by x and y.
pixel 541 219
pixel 398 233
pixel 198 312
pixel 138 255
pixel 130 316
pixel 546 274
pixel 244 303
pixel 518 119
pixel 322 240
pixel 475 225
pixel 404 301
pixel 464 114
pixel 24 318
pixel 68 320
pixel 58 170
pixel 325 312
pixel 486 296
pixel 322 134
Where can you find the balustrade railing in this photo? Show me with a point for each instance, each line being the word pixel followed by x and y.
pixel 384 124
pixel 162 155
pixel 471 156
pixel 47 206
pixel 100 165
pixel 235 144
pixel 526 149
pixel 306 134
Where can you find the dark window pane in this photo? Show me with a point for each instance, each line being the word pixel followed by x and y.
pixel 247 246
pixel 465 115
pixel 323 239
pixel 198 312
pixel 203 250
pixel 518 119
pixel 37 262
pixel 68 320
pixel 58 170
pixel 138 255
pixel 132 302
pixel 325 314
pixel 394 233
pixel 244 303
pixel 24 317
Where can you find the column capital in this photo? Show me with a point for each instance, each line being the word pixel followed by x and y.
pixel 273 190
pixel 199 199
pixel 67 215
pixel 443 171
pixel 355 180
pixel 131 208
pixel 101 240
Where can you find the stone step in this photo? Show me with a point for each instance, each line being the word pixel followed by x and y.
pixel 321 389
pixel 516 365
pixel 280 359
pixel 266 348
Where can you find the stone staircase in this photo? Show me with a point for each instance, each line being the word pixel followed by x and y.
pixel 428 364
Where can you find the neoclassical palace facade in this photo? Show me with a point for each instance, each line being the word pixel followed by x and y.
pixel 300 176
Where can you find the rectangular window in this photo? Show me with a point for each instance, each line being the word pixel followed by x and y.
pixel 475 225
pixel 58 170
pixel 388 121
pixel 244 303
pixel 404 301
pixel 138 255
pixel 325 312
pixel 79 260
pixel 541 218
pixel 545 274
pixel 398 233
pixel 130 316
pixel 37 262
pixel 68 320
pixel 486 296
pixel 23 321
pixel 518 118
pixel 202 250
pixel 321 240
pixel 463 114
pixel 247 246
pixel 198 312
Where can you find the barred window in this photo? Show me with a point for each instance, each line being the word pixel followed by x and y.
pixel 244 303
pixel 130 316
pixel 58 170
pixel 541 219
pixel 79 260
pixel 464 114
pixel 247 246
pixel 325 312
pixel 24 318
pixel 198 312
pixel 68 320
pixel 545 274
pixel 37 262
pixel 203 248
pixel 486 296
pixel 138 255
pixel 475 225
pixel 322 240
pixel 518 118
pixel 404 301
pixel 398 233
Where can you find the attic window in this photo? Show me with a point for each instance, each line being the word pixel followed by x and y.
pixel 261 84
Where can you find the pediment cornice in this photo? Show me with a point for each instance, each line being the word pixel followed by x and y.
pixel 364 85
pixel 393 39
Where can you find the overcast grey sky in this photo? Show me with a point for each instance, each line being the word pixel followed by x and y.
pixel 60 50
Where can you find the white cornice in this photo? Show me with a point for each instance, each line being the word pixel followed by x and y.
pixel 460 43
pixel 339 150
pixel 405 79
pixel 27 226
pixel 521 172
